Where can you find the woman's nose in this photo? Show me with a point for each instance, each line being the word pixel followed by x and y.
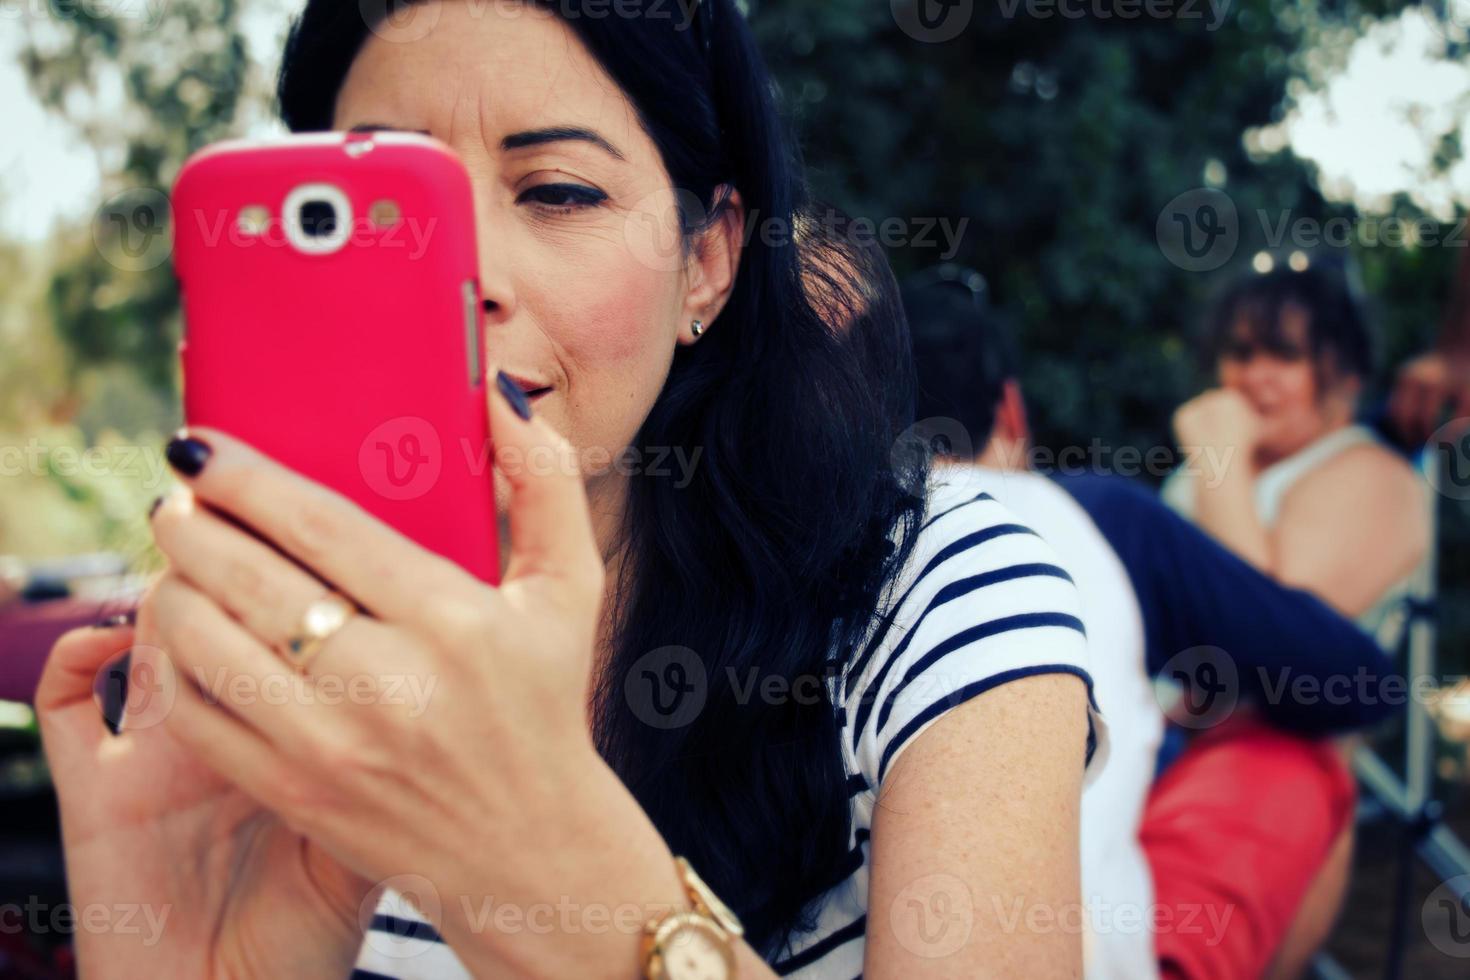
pixel 1257 369
pixel 497 289
pixel 1259 372
pixel 497 299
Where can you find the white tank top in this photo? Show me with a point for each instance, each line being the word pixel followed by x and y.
pixel 1386 618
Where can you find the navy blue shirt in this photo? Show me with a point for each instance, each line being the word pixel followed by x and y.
pixel 1194 592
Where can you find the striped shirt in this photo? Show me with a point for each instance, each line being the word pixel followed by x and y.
pixel 982 600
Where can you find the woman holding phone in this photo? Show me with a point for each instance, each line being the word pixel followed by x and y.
pixel 788 683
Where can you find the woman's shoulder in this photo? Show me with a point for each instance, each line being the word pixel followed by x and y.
pixel 1367 470
pixel 1368 486
pixel 981 600
pixel 967 530
pixel 962 501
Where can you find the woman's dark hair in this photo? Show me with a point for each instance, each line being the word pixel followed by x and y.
pixel 1339 339
pixel 769 563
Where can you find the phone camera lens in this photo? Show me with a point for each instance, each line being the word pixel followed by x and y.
pixel 318 218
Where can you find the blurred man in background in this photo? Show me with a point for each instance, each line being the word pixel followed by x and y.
pixel 1439 380
pixel 1231 864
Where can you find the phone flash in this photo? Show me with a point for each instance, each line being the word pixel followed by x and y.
pixel 253 220
pixel 384 213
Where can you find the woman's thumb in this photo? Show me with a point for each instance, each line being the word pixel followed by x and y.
pixel 550 525
pixel 74 671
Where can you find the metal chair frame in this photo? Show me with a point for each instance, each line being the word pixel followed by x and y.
pixel 1408 802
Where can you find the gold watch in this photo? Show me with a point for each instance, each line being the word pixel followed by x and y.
pixel 698 944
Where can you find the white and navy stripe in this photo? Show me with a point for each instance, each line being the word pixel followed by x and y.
pixel 981 601
pixel 400 945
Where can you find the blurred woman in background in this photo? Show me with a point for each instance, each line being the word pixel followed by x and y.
pixel 1278 470
pixel 1276 467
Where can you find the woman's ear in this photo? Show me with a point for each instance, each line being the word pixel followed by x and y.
pixel 712 266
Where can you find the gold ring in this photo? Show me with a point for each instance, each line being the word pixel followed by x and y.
pixel 321 619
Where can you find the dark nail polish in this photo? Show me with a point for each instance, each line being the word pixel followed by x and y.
pixel 187 454
pixel 514 395
pixel 153 507
pixel 110 688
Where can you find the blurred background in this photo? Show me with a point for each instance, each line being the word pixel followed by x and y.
pixel 1047 145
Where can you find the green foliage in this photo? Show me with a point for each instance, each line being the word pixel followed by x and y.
pixel 1062 139
pixel 182 82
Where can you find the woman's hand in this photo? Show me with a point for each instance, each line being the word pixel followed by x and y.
pixel 1220 419
pixel 442 731
pixel 196 878
pixel 1219 430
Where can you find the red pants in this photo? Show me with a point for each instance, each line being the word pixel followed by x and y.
pixel 1235 831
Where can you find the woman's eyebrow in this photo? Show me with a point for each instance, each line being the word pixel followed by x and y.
pixel 516 141
pixel 554 134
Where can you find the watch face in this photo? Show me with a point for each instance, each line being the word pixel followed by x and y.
pixel 695 951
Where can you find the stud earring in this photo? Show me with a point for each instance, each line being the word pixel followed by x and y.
pixel 696 327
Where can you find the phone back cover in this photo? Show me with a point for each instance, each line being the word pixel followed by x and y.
pixel 361 369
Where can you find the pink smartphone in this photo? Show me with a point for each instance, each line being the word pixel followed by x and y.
pixel 332 320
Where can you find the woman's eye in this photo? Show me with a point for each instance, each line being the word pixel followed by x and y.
pixel 562 197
